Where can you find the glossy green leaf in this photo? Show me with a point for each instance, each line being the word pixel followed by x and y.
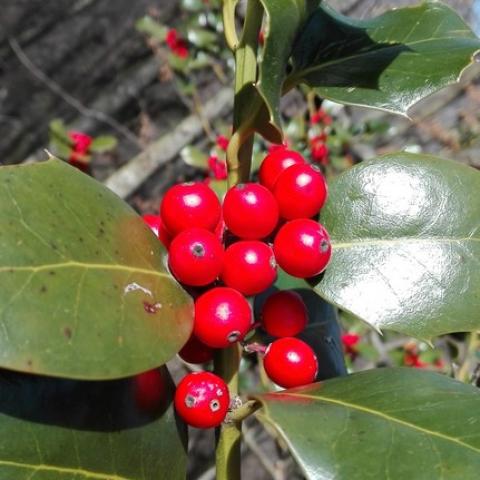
pixel 194 157
pixel 384 424
pixel 405 231
pixel 322 332
pixel 55 429
pixel 85 293
pixel 150 26
pixel 284 19
pixel 103 143
pixel 389 62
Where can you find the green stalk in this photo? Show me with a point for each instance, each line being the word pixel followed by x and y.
pixel 239 159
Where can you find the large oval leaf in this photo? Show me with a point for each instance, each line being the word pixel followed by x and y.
pixel 386 423
pixel 68 429
pixel 389 62
pixel 84 290
pixel 405 231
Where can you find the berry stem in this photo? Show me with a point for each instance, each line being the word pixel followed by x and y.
pixel 228 435
pixel 244 411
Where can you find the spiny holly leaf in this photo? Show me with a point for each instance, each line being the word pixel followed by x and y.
pixel 59 429
pixel 322 332
pixel 405 232
pixel 389 62
pixel 384 423
pixel 85 293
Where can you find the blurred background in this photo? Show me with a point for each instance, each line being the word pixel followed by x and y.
pixel 138 94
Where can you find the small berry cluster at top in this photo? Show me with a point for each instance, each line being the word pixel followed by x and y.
pixel 177 45
pixel 80 150
pixel 230 252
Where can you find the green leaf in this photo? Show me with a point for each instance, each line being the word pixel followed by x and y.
pixel 85 293
pixel 389 62
pixel 387 423
pixel 59 132
pixel 322 332
pixel 103 143
pixel 151 27
pixel 405 231
pixel 194 157
pixel 63 429
pixel 284 19
pixel 202 38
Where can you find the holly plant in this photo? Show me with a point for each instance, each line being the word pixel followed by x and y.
pixel 92 307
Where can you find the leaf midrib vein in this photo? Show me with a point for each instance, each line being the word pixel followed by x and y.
pixel 401 240
pixel 91 266
pixel 61 470
pixel 376 413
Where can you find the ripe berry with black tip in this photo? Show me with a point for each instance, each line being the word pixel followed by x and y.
pixel 249 266
pixel 284 314
pixel 276 162
pixel 196 257
pixel 290 362
pixel 194 351
pixel 202 399
pixel 300 191
pixel 302 248
pixel 188 205
pixel 250 211
pixel 222 317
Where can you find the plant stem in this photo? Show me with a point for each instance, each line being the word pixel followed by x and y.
pixel 464 374
pixel 226 363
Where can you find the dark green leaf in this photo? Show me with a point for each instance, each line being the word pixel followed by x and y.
pixel 103 143
pixel 67 429
pixel 389 62
pixel 85 293
pixel 384 424
pixel 284 19
pixel 151 27
pixel 405 232
pixel 322 332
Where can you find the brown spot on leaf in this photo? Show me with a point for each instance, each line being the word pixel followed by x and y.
pixel 43 289
pixel 67 331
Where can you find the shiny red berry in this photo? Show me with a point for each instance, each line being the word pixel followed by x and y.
pixel 196 257
pixel 150 390
pixel 194 351
pixel 302 248
pixel 222 317
pixel 250 211
pixel 284 314
pixel 190 205
pixel 290 362
pixel 301 191
pixel 249 266
pixel 157 227
pixel 202 400
pixel 275 163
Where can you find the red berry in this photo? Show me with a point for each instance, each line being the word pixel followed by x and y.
pixel 284 314
pixel 194 351
pixel 249 266
pixel 149 389
pixel 250 211
pixel 157 227
pixel 289 363
pixel 277 161
pixel 301 191
pixel 302 248
pixel 190 205
pixel 202 399
pixel 196 257
pixel 222 317
pixel 81 141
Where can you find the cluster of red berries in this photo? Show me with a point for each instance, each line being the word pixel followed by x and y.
pixel 177 45
pixel 262 225
pixel 79 153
